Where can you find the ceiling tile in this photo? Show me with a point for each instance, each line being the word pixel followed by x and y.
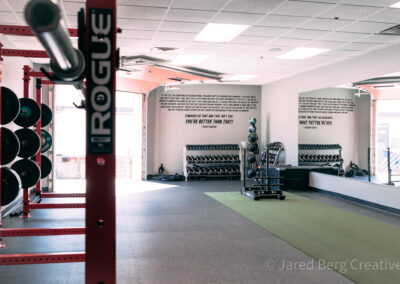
pixel 137 12
pixel 343 36
pixel 390 15
pixel 213 5
pixel 72 8
pixel 137 24
pixel 205 45
pixel 236 18
pixel 72 21
pixel 366 27
pixel 325 24
pixel 379 3
pixel 192 15
pixel 265 31
pixel 252 6
pixel 361 46
pixel 326 1
pixel 237 47
pixel 282 41
pixel 340 53
pixel 326 44
pixel 181 27
pixel 380 39
pixel 305 34
pixel 251 39
pixel 282 21
pixel 124 42
pixel 7 18
pixel 297 8
pixel 17 5
pixel 136 34
pixel 350 12
pixel 151 3
pixel 175 36
pixel 170 43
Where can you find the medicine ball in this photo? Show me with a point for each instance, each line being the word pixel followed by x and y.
pixel 251 173
pixel 252 137
pixel 252 121
pixel 251 159
pixel 252 129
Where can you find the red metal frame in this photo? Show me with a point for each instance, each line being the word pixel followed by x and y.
pixel 56 205
pixel 25 53
pixel 25 196
pixel 27 232
pixel 38 258
pixel 26 31
pixel 100 167
pixel 39 132
pixel 2 245
pixel 62 195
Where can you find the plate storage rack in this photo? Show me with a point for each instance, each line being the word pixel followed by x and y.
pixel 212 162
pixel 321 155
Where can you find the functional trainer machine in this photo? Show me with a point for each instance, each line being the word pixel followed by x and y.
pixel 256 167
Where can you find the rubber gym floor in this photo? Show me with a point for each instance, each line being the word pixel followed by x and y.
pixel 183 233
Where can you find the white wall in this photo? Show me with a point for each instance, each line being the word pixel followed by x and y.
pixel 167 131
pixel 363 130
pixel 279 99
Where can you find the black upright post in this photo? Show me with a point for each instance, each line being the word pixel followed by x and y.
pixel 244 169
pixel 369 164
pixel 388 166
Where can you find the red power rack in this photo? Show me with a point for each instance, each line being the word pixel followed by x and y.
pixel 27 206
pixel 100 254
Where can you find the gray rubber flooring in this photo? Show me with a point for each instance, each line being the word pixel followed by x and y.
pixel 174 235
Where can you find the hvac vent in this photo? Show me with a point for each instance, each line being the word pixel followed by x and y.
pixel 394 31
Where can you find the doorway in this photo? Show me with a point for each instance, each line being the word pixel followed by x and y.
pixel 70 138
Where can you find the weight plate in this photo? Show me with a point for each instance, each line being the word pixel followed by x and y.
pixel 47 115
pixel 29 142
pixel 28 171
pixel 47 141
pixel 9 105
pixel 10 185
pixel 9 146
pixel 29 113
pixel 46 167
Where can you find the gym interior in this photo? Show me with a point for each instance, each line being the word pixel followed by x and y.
pixel 180 141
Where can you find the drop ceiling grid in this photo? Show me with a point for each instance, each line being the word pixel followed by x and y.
pixel 274 23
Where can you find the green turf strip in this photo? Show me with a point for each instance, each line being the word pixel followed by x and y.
pixel 326 233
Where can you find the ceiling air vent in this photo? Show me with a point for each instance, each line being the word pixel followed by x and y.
pixel 394 31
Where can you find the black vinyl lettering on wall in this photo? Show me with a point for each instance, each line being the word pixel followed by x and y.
pixel 208 111
pixel 317 112
pixel 208 103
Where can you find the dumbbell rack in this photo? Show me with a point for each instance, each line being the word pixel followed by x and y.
pixel 320 154
pixel 199 151
pixel 264 186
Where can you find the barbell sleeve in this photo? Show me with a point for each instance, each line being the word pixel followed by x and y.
pixel 44 17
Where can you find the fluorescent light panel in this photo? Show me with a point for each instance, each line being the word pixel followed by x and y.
pixel 302 53
pixel 395 5
pixel 189 59
pixel 220 32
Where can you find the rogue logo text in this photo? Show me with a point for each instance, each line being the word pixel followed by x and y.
pixel 100 84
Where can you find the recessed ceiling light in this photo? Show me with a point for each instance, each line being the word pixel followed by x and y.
pixel 189 59
pixel 239 77
pixel 220 32
pixel 395 5
pixel 302 53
